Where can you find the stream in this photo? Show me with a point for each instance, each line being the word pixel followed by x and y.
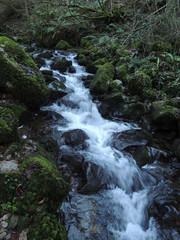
pixel 111 198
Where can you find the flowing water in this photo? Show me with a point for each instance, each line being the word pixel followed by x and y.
pixel 119 209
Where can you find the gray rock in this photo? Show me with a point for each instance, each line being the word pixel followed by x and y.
pixel 8 158
pixel 9 166
pixel 76 138
pixel 13 221
pixel 4 224
pixel 23 234
pixel 3 235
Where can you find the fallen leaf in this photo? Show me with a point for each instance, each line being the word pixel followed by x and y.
pixel 41 202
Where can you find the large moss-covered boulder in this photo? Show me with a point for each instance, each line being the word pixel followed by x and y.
pixel 63 45
pixel 20 76
pixel 165 114
pixel 102 79
pixel 8 125
pixel 34 193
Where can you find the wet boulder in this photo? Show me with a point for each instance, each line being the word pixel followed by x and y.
pixel 129 138
pixel 58 90
pixel 102 79
pixel 46 54
pixel 72 69
pixel 8 126
pixel 48 75
pixel 114 99
pixel 95 178
pixel 61 65
pixel 40 62
pixel 76 139
pixel 165 114
pixel 75 161
pixel 20 76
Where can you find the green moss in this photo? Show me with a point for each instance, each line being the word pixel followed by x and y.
pixel 139 84
pixel 134 110
pixel 17 109
pixel 102 79
pixel 40 171
pixel 46 227
pixel 34 194
pixel 161 46
pixel 122 72
pixel 116 86
pixel 8 126
pixel 123 53
pixel 165 115
pixel 63 45
pixel 16 52
pixel 20 76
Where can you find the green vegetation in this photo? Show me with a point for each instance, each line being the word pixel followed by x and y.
pixel 8 126
pixel 37 191
pixel 20 76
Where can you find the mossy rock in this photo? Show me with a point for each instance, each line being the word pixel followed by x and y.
pixel 134 111
pixel 114 99
pixel 164 115
pixel 18 109
pixel 20 76
pixel 123 53
pixel 63 45
pixel 82 60
pixel 139 84
pixel 92 67
pixel 116 86
pixel 102 79
pixel 122 72
pixel 8 126
pixel 42 183
pixel 161 46
pixel 46 227
pixel 61 65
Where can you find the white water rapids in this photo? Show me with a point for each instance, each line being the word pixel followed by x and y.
pixel 125 208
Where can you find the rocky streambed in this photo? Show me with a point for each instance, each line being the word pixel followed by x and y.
pixel 123 183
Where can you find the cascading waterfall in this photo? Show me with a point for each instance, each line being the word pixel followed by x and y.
pixel 118 212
